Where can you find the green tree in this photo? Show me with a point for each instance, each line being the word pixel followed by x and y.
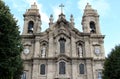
pixel 10 45
pixel 112 64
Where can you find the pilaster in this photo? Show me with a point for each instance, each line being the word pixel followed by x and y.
pixel 35 69
pixel 51 46
pixel 73 47
pixel 50 69
pixel 74 69
pixel 89 69
pixel 37 48
pixel 87 47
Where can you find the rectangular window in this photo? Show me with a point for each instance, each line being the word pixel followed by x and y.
pixel 23 76
pixel 62 68
pixel 99 75
pixel 62 45
pixel 42 69
pixel 81 68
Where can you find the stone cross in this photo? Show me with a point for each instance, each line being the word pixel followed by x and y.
pixel 61 7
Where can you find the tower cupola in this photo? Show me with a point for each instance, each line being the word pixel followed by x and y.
pixel 32 20
pixel 90 20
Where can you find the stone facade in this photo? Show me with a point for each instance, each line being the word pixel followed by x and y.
pixel 62 51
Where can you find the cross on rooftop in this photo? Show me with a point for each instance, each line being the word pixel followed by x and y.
pixel 61 7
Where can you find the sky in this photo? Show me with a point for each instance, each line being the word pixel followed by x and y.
pixel 108 10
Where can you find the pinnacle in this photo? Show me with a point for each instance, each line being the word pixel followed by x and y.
pixel 88 6
pixel 34 6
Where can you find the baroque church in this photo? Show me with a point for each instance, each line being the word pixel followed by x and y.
pixel 62 51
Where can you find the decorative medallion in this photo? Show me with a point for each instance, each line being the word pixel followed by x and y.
pixel 97 50
pixel 26 51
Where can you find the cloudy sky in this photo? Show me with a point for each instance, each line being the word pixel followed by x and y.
pixel 108 10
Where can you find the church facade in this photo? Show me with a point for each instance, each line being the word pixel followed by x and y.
pixel 62 51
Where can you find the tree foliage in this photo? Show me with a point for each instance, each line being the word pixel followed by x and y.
pixel 10 45
pixel 112 64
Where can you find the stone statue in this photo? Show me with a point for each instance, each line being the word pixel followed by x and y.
pixel 80 51
pixel 43 52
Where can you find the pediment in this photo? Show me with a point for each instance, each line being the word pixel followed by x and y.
pixel 62 33
pixel 63 57
pixel 28 43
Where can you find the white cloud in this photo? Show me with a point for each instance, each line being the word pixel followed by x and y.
pixel 44 16
pixel 57 12
pixel 100 5
pixel 16 5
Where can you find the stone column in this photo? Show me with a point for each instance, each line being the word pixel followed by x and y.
pixel 37 25
pixel 85 25
pixel 97 26
pixel 25 27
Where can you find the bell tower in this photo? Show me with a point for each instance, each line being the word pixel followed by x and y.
pixel 90 20
pixel 32 20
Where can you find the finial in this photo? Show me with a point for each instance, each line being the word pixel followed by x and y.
pixel 51 15
pixel 87 3
pixel 72 19
pixel 61 8
pixel 71 16
pixel 34 3
pixel 34 6
pixel 51 19
pixel 88 6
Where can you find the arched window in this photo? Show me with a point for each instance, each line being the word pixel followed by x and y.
pixel 81 68
pixel 62 68
pixel 23 76
pixel 62 45
pixel 92 27
pixel 42 69
pixel 30 27
pixel 99 75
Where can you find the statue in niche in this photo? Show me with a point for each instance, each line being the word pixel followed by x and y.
pixel 43 52
pixel 80 50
